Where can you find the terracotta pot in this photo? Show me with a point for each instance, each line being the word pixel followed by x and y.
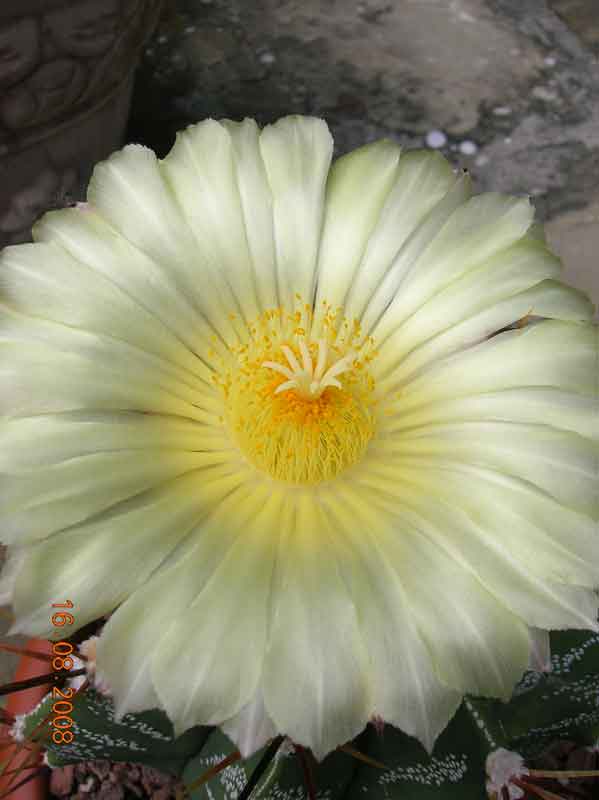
pixel 66 74
pixel 19 703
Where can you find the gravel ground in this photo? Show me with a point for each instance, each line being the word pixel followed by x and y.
pixel 102 780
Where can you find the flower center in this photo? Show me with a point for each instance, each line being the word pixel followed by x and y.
pixel 299 410
pixel 309 381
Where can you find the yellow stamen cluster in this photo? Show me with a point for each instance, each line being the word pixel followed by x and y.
pixel 300 410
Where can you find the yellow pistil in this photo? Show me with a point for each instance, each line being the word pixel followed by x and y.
pixel 300 411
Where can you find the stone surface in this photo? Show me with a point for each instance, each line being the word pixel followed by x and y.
pixel 518 81
pixel 65 88
pixel 574 236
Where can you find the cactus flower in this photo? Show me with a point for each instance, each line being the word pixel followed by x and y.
pixel 322 437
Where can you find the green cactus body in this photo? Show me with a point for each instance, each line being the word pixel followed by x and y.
pixel 563 703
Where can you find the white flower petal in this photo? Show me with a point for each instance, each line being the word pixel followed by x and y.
pixel 102 350
pixel 31 443
pixel 99 563
pixel 91 241
pixel 561 463
pixel 503 276
pixel 406 691
pixel 129 191
pixel 316 683
pixel 201 172
pixel 422 179
pixel 44 280
pixel 15 556
pixel 358 186
pixel 95 375
pixel 462 527
pixel 546 299
pixel 476 231
pixel 220 663
pixel 297 154
pixel 551 353
pixel 552 540
pixel 416 244
pixel 40 503
pixel 251 728
pixel 477 645
pixel 256 203
pixel 555 407
pixel 133 634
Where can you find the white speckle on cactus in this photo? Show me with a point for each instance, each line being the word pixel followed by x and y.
pixel 480 722
pixel 502 765
pixel 436 772
pixel 562 664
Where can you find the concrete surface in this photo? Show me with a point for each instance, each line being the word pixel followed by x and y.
pixel 510 86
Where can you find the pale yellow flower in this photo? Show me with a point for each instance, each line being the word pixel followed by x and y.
pixel 255 402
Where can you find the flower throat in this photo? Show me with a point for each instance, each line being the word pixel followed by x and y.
pixel 300 408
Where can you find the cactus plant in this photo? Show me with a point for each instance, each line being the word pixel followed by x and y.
pixel 295 398
pixel 381 763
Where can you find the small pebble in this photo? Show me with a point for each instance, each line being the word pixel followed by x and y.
pixel 267 58
pixel 189 29
pixel 502 111
pixel 436 139
pixel 162 39
pixel 468 147
pixel 546 95
pixel 550 61
pixel 481 161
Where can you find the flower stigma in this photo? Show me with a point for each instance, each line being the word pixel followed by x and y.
pixel 300 407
